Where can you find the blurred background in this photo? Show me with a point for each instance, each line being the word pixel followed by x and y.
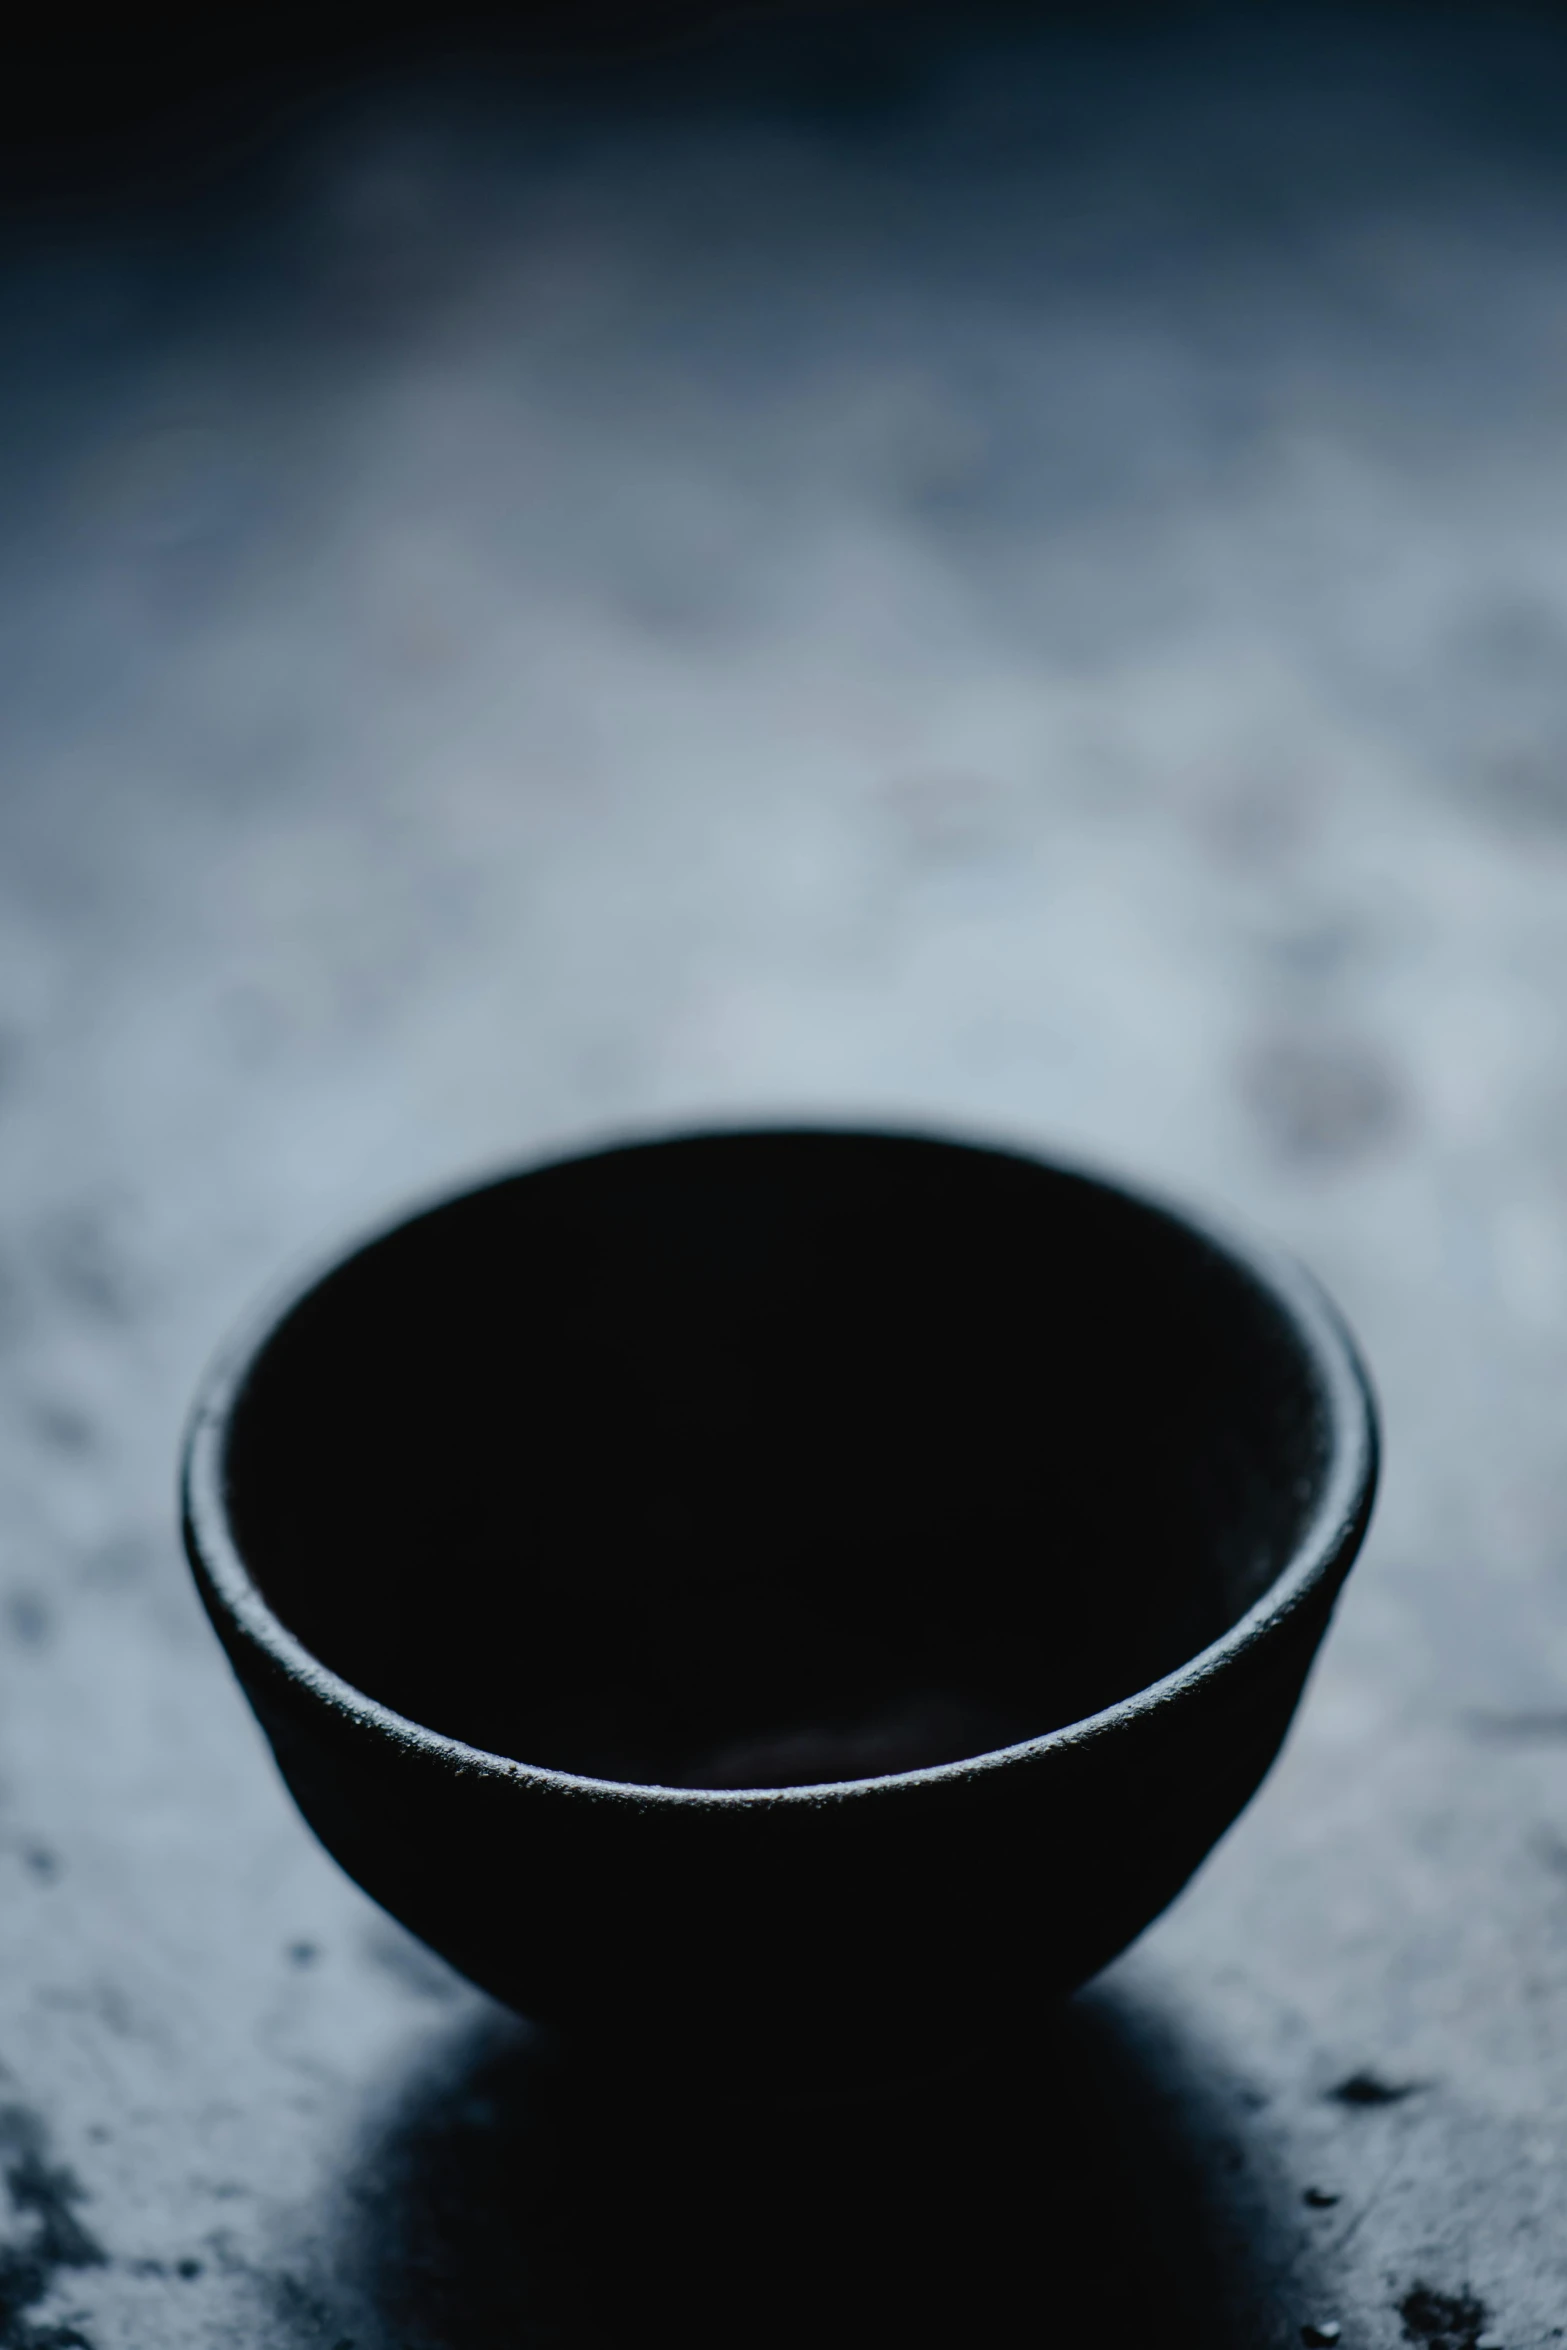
pixel 563 574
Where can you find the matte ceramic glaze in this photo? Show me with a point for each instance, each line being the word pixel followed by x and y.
pixel 791 1602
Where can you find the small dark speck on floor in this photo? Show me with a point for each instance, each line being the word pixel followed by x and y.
pixel 62 1427
pixel 1368 2088
pixel 27 1619
pixel 1320 2198
pixel 85 1269
pixel 1525 1728
pixel 1552 1850
pixel 188 2268
pixel 1320 1100
pixel 1442 2321
pixel 44 1864
pixel 304 1953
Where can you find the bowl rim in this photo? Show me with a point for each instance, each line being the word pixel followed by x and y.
pixel 1321 1555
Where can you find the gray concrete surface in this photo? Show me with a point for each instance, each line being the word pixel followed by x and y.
pixel 1017 582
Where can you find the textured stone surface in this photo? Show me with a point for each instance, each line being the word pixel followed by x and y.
pixel 1019 583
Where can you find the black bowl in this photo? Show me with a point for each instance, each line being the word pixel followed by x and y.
pixel 791 1604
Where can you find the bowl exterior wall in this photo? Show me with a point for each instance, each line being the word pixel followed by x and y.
pixel 805 1941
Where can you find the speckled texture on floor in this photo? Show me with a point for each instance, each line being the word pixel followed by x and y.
pixel 1019 583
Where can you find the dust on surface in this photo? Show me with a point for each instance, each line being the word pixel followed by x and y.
pixel 43 2196
pixel 1442 2321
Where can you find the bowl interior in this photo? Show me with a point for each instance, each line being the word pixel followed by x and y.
pixel 774 1459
